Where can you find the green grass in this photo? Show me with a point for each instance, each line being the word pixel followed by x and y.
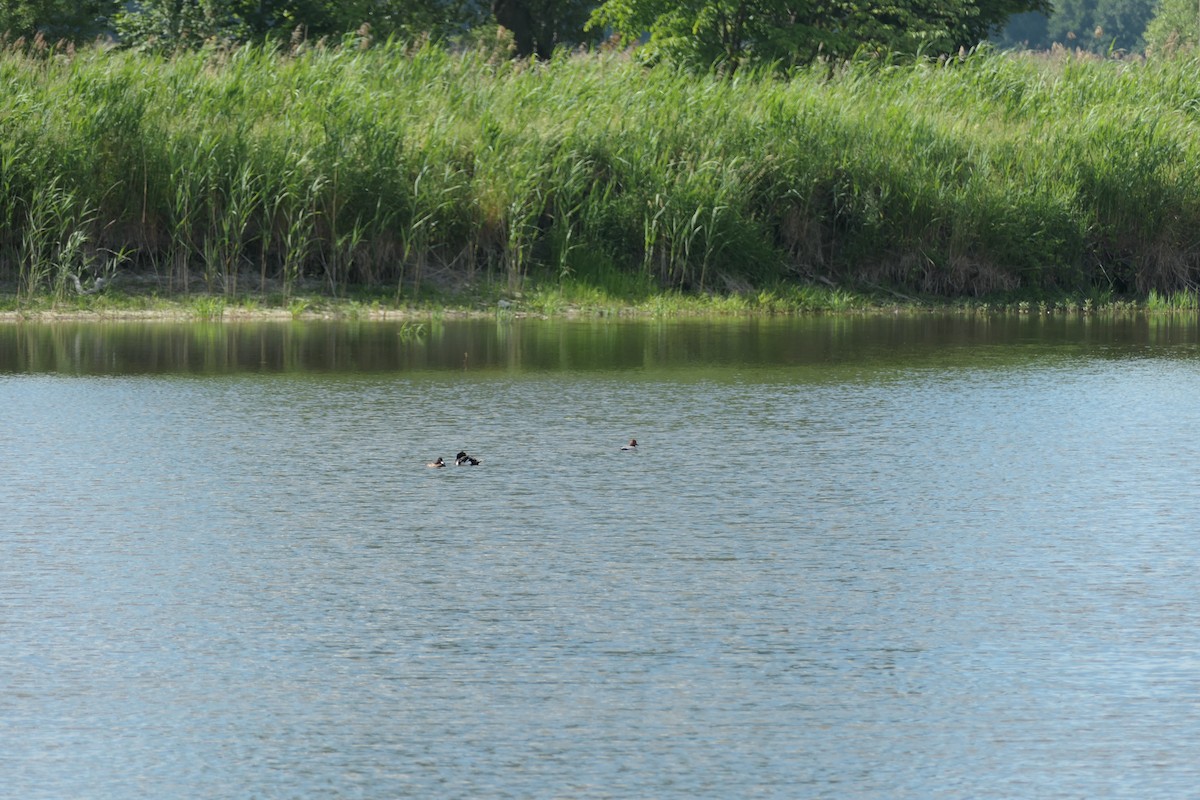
pixel 591 184
pixel 558 300
pixel 208 307
pixel 1187 300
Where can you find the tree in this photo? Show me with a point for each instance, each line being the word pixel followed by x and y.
pixel 992 15
pixel 56 19
pixel 538 26
pixel 1099 26
pixel 407 19
pixel 1025 32
pixel 727 33
pixel 712 33
pixel 1175 24
pixel 1120 25
pixel 168 24
pixel 165 25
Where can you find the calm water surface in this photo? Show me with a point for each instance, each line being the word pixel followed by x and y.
pixel 855 558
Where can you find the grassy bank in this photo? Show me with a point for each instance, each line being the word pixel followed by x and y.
pixel 564 298
pixel 407 173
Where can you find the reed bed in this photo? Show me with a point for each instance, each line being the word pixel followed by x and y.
pixel 401 167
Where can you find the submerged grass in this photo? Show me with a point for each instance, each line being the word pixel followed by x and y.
pixel 590 184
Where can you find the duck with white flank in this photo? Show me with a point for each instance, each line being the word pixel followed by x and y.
pixel 464 460
pixel 631 446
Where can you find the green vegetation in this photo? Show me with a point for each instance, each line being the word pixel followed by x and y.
pixel 165 26
pixel 54 20
pixel 725 34
pixel 1187 300
pixel 1097 26
pixel 417 174
pixel 567 298
pixel 712 33
pixel 1174 25
pixel 704 33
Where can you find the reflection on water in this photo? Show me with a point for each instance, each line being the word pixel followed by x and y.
pixel 587 345
pixel 855 558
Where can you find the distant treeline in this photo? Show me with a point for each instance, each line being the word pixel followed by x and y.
pixel 387 166
pixel 1107 27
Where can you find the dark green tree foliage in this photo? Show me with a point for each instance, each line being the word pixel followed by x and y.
pixel 166 25
pixel 171 24
pixel 993 15
pixel 727 33
pixel 410 19
pixel 1121 24
pixel 538 26
pixel 1025 32
pixel 1070 24
pixel 55 19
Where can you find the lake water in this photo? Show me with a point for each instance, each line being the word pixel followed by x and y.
pixel 876 557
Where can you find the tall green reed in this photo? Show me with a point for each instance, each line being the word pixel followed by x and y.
pixel 54 241
pixel 400 164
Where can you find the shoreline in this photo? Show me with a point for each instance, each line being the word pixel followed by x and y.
pixel 268 308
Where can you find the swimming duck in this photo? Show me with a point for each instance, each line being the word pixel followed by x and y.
pixel 631 446
pixel 464 460
pixel 438 463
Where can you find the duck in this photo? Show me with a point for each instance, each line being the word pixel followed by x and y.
pixel 464 460
pixel 437 464
pixel 631 446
